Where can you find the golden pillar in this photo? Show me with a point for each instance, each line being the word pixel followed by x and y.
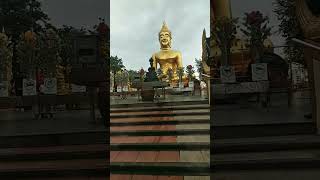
pixel 221 8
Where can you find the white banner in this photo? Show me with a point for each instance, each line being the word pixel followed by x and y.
pixel 78 89
pixel 119 89
pixel 125 89
pixel 181 85
pixel 191 84
pixel 50 86
pixel 259 72
pixel 4 89
pixel 245 87
pixel 297 73
pixel 227 74
pixel 29 87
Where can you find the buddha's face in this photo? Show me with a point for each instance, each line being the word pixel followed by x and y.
pixel 165 39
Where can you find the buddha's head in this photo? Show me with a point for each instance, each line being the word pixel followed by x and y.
pixel 165 37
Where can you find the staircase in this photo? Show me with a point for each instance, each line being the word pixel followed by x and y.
pixel 70 155
pixel 280 148
pixel 160 141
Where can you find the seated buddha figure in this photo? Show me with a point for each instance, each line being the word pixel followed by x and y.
pixel 166 57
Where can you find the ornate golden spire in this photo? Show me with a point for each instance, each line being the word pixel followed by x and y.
pixel 164 28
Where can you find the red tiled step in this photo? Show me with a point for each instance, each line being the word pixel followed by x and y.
pixel 143 139
pixel 144 177
pixel 149 127
pixel 145 156
pixel 141 119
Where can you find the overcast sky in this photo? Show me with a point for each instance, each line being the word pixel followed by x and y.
pixel 76 13
pixel 135 26
pixel 135 23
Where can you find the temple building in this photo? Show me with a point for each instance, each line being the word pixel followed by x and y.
pixel 240 56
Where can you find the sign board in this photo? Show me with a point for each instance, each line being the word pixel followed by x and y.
pixel 86 49
pixel 119 89
pixel 29 87
pixel 297 73
pixel 125 89
pixel 181 85
pixel 78 89
pixel 191 84
pixel 88 68
pixel 50 86
pixel 227 74
pixel 245 87
pixel 259 72
pixel 4 89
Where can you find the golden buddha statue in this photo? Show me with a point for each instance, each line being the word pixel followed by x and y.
pixel 166 57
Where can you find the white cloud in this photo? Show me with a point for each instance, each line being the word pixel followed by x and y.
pixel 135 25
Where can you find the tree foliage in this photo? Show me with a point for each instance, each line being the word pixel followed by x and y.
pixel 224 32
pixel 180 73
pixel 66 34
pixel 256 29
pixel 5 54
pixel 116 65
pixel 200 68
pixel 132 75
pixel 190 72
pixel 289 28
pixel 19 16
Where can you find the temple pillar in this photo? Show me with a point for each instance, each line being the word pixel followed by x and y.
pixel 313 65
pixel 221 8
pixel 316 86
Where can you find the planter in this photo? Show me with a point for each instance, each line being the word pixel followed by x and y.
pixel 147 95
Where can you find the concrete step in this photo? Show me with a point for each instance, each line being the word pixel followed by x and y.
pixel 66 152
pixel 54 168
pixel 261 130
pixel 265 144
pixel 153 104
pixel 160 113
pixel 54 139
pixel 159 108
pixel 266 160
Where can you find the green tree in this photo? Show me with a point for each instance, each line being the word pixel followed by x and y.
pixel 180 73
pixel 256 29
pixel 19 16
pixel 66 35
pixel 289 28
pixel 224 32
pixel 116 65
pixel 190 72
pixel 132 75
pixel 199 67
pixel 28 54
pixel 5 56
